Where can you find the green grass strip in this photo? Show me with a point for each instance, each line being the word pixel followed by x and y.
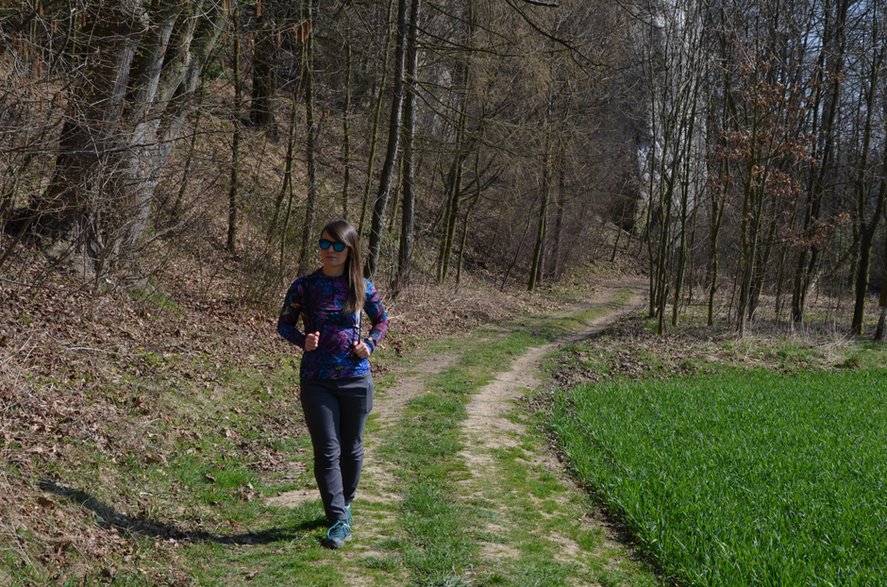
pixel 441 529
pixel 439 547
pixel 742 477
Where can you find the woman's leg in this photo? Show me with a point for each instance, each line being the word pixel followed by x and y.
pixel 356 402
pixel 323 415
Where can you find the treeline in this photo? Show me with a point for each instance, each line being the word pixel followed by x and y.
pixel 451 132
pixel 765 159
pixel 739 144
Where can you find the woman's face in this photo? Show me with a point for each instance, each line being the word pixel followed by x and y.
pixel 333 261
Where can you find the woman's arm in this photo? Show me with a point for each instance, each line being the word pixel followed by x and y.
pixel 289 314
pixel 376 312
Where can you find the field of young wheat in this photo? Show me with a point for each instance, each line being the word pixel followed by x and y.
pixel 744 476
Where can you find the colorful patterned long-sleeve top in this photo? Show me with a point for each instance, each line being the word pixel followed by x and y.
pixel 320 301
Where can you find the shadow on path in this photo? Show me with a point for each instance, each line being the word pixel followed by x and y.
pixel 137 526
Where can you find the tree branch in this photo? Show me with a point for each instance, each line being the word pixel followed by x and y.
pixel 574 51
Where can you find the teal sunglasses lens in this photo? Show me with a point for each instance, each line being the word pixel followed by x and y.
pixel 337 245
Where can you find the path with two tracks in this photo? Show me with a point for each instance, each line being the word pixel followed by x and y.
pixel 532 524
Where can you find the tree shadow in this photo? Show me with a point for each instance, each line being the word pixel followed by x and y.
pixel 140 526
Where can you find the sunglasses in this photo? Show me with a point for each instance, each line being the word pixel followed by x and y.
pixel 337 246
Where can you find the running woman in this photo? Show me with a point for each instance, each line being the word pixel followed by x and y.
pixel 336 387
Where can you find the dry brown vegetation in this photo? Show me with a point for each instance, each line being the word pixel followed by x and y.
pixel 101 379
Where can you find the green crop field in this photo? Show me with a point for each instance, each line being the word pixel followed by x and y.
pixel 742 477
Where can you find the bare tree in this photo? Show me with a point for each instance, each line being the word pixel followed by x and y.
pixel 394 131
pixel 408 175
pixel 234 186
pixel 311 145
pixel 868 213
pixel 141 63
pixel 882 320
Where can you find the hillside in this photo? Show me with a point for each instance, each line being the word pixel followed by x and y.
pixel 102 382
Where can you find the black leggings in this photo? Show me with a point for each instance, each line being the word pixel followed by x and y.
pixel 336 411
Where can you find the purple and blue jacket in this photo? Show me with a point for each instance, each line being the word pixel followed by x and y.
pixel 320 300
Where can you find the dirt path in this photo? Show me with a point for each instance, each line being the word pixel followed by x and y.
pixel 501 452
pixel 378 499
pixel 494 427
pixel 387 411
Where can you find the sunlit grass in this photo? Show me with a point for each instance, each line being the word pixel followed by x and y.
pixel 425 449
pixel 741 477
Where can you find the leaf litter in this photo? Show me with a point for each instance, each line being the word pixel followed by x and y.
pixel 88 379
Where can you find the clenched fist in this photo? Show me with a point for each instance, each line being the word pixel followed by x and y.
pixel 311 341
pixel 361 349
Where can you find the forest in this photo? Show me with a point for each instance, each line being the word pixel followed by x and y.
pixel 665 212
pixel 736 148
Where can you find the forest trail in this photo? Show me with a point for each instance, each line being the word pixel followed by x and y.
pixel 494 426
pixel 520 518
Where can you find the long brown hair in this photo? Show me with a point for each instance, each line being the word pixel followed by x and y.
pixel 342 231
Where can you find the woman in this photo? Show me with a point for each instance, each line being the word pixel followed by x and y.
pixel 335 380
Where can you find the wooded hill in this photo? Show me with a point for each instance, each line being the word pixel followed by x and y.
pixel 738 149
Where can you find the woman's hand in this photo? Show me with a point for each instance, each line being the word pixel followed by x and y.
pixel 361 349
pixel 311 341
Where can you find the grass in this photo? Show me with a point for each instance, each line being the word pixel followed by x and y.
pixel 448 511
pixel 536 515
pixel 425 449
pixel 742 476
pixel 187 504
pixel 151 297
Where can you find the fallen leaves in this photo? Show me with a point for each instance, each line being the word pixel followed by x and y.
pixel 100 383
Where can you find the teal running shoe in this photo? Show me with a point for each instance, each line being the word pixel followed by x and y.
pixel 337 535
pixel 348 519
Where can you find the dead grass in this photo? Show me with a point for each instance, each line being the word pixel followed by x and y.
pixel 97 375
pixel 632 349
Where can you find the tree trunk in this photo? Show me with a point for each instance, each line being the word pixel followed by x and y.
pixel 175 212
pixel 477 192
pixel 311 145
pixel 714 237
pixel 454 178
pixel 763 261
pixel 394 129
pixel 719 197
pixel 559 217
pixel 405 254
pixel 286 186
pixel 832 61
pixel 234 186
pixel 445 223
pixel 688 128
pixel 882 321
pixel 866 227
pixel 752 201
pixel 454 198
pixel 377 116
pixel 540 239
pixel 261 111
pixel 862 283
pixel 780 283
pixel 543 204
pixel 517 253
pixel 865 247
pixel 77 202
pixel 346 135
pixel 124 117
